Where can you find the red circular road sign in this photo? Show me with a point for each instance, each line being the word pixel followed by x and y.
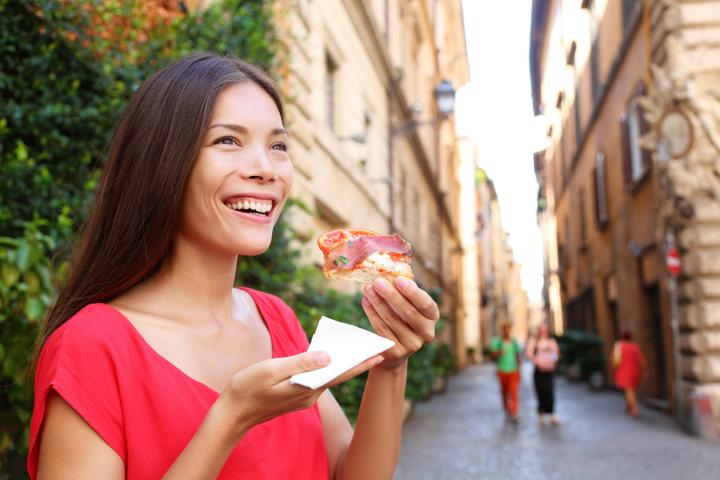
pixel 672 259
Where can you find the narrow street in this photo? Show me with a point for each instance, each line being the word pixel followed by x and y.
pixel 462 434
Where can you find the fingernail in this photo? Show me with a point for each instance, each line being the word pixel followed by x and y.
pixel 403 282
pixel 377 361
pixel 382 285
pixel 321 358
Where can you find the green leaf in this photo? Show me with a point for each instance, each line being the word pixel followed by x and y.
pixel 34 309
pixel 10 274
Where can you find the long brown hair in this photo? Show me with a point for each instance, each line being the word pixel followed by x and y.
pixel 137 208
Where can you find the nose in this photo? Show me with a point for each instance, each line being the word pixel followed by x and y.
pixel 260 167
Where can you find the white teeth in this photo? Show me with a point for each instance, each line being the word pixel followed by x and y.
pixel 259 206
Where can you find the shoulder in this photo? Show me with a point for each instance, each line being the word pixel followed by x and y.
pixel 92 330
pixel 281 320
pixel 271 304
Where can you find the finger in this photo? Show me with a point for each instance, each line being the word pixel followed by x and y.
pixel 407 337
pixel 400 315
pixel 286 367
pixel 355 371
pixel 418 297
pixel 376 321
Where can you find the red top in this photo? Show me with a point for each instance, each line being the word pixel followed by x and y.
pixel 147 409
pixel 627 373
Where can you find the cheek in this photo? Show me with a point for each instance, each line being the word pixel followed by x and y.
pixel 286 172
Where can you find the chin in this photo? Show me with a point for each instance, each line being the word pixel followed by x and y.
pixel 251 249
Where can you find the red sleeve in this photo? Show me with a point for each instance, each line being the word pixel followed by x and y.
pixel 78 361
pixel 292 324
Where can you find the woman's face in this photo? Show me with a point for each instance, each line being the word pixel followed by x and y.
pixel 543 330
pixel 242 176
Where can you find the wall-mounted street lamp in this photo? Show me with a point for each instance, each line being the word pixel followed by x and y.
pixel 445 98
pixel 444 94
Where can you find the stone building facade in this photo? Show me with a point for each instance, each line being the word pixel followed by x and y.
pixel 604 74
pixel 370 146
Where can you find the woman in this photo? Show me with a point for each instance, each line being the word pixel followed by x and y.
pixel 629 364
pixel 544 353
pixel 152 364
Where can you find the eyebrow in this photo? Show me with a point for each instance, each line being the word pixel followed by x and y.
pixel 241 129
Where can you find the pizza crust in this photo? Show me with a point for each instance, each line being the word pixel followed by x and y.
pixel 377 265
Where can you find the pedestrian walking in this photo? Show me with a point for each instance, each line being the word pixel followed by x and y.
pixel 629 364
pixel 153 364
pixel 543 352
pixel 505 351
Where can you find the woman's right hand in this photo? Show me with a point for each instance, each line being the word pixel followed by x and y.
pixel 263 390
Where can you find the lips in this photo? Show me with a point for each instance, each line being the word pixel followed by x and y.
pixel 256 204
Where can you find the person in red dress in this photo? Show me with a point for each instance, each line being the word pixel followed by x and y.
pixel 629 365
pixel 151 363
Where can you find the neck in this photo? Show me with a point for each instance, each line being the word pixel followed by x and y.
pixel 195 283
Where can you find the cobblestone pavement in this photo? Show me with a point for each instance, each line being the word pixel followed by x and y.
pixel 462 434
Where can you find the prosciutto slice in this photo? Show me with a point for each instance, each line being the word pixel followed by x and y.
pixel 353 251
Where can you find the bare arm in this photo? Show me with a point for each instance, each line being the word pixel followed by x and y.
pixel 530 350
pixel 407 315
pixel 86 456
pixel 372 450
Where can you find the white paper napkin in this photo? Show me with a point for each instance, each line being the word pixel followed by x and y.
pixel 347 345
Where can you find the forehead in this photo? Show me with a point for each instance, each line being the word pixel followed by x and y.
pixel 246 104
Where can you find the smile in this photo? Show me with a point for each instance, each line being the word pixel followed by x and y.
pixel 251 205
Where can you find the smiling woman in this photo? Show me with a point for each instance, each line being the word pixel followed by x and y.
pixel 151 362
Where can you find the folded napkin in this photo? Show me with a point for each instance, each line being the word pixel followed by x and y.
pixel 347 345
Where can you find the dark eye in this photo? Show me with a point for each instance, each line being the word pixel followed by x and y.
pixel 226 141
pixel 280 146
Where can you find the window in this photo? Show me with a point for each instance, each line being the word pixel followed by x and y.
pixel 415 214
pixel 583 229
pixel 578 117
pixel 601 208
pixel 595 15
pixel 403 197
pixel 633 126
pixel 595 71
pixel 629 10
pixel 330 82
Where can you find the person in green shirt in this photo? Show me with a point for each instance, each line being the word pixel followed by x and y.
pixel 505 351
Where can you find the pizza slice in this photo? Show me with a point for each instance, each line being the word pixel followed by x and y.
pixel 363 255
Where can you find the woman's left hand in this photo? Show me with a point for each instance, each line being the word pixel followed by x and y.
pixel 403 313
